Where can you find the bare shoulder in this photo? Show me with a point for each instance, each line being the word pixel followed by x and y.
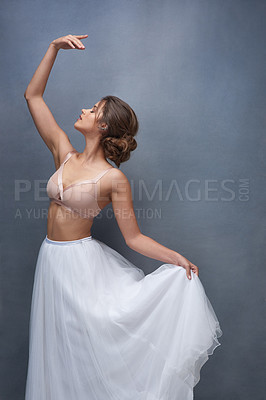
pixel 117 175
pixel 119 181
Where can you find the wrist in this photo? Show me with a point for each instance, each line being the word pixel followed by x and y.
pixel 175 258
pixel 53 45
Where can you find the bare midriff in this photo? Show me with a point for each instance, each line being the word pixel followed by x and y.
pixel 65 225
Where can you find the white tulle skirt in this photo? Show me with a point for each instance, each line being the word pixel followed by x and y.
pixel 102 330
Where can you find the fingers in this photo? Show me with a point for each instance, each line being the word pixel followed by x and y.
pixel 81 36
pixel 76 42
pixel 70 44
pixel 190 268
pixel 195 269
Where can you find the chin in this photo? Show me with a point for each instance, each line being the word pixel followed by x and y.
pixel 78 129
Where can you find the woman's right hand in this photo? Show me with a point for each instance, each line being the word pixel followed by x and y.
pixel 69 42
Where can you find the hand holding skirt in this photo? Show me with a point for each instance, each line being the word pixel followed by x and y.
pixel 102 330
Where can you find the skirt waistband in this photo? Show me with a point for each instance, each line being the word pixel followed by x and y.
pixel 66 242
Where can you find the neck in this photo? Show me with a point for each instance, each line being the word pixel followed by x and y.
pixel 93 151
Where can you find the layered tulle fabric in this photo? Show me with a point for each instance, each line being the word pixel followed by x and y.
pixel 102 330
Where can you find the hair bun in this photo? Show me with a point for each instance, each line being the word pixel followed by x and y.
pixel 118 140
pixel 118 149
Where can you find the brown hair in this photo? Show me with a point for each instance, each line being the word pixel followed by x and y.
pixel 122 124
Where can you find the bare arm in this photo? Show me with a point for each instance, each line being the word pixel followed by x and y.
pixel 54 137
pixel 39 80
pixel 126 219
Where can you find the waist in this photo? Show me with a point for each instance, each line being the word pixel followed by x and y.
pixel 65 242
pixel 65 226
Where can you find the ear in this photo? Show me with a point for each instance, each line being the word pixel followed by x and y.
pixel 103 126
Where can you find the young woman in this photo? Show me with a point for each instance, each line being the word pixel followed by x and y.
pixel 99 328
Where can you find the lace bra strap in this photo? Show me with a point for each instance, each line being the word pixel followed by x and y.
pixel 69 154
pixel 98 177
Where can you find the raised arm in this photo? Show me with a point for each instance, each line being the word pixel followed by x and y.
pixel 54 137
pixel 124 212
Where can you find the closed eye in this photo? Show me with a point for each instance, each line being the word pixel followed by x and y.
pixel 92 111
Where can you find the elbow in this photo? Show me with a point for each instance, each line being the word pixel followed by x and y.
pixel 132 241
pixel 128 243
pixel 26 95
pixel 29 96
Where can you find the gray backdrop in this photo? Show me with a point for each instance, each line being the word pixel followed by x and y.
pixel 194 72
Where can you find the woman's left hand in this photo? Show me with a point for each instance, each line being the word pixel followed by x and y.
pixel 187 265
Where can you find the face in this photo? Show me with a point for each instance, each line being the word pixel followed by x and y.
pixel 87 121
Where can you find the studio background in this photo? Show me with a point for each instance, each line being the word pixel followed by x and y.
pixel 194 72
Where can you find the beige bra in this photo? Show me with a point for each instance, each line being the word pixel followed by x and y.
pixel 80 197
